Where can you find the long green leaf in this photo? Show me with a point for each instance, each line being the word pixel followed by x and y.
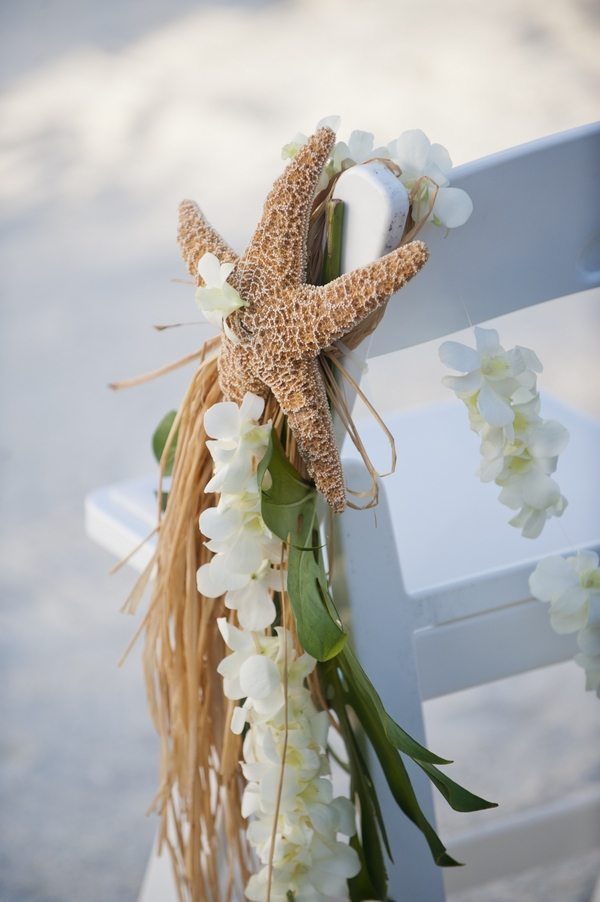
pixel 393 767
pixel 457 796
pixel 289 509
pixel 159 440
pixel 371 881
pixel 361 685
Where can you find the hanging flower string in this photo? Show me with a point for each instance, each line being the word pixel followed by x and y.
pixel 295 817
pixel 572 587
pixel 519 450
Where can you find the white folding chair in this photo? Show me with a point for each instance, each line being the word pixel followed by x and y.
pixel 424 629
pixel 437 586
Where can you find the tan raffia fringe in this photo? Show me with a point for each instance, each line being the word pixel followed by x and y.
pixel 337 398
pixel 168 368
pixel 200 781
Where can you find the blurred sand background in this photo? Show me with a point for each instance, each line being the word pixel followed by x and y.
pixel 110 113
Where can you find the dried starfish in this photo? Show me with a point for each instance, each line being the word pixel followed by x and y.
pixel 287 322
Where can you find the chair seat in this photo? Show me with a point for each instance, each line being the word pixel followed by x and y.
pixel 449 527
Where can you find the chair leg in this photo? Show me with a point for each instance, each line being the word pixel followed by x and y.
pixel 368 576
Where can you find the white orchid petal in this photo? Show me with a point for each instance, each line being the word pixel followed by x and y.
pixel 222 420
pixel 548 438
pixel 533 522
pixel 487 341
pixel 347 815
pixel 325 818
pixel 209 269
pixel 360 145
pixel 552 576
pixel 493 409
pixel 332 122
pixel 539 490
pixel 490 470
pixel 238 720
pixel 341 152
pixel 569 612
pixel 514 361
pixel 512 495
pixel 220 523
pixel 222 576
pixel 252 407
pixel 412 150
pixel 531 359
pixel 441 158
pixel 459 357
pixel 259 676
pixel 380 153
pixel 226 270
pixel 277 579
pixel 234 638
pixel 468 383
pixel 453 207
pixel 205 583
pixel 585 561
pixel 257 611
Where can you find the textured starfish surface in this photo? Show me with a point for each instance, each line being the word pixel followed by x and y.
pixel 287 322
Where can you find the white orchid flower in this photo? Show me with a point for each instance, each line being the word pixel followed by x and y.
pixel 250 593
pixel 489 370
pixel 239 443
pixel 572 586
pixel 289 150
pixel 249 671
pixel 525 476
pixel 240 538
pixel 416 156
pixel 359 149
pixel 217 299
pixel 531 520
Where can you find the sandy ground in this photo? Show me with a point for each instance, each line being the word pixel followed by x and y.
pixel 110 113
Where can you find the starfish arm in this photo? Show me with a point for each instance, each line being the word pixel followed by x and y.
pixel 299 388
pixel 342 304
pixel 236 376
pixel 276 255
pixel 197 237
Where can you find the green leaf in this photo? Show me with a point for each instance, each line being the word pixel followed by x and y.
pixel 359 685
pixel 457 797
pixel 332 252
pixel 371 881
pixel 289 509
pixel 361 887
pixel 362 686
pixel 392 764
pixel 159 440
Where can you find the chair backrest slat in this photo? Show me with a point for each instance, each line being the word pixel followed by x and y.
pixel 534 235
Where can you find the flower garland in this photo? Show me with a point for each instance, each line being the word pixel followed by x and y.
pixel 519 450
pixel 572 587
pixel 296 824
